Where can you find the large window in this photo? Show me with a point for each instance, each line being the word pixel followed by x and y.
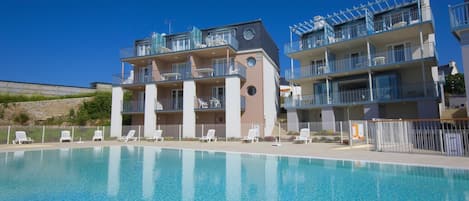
pixel 399 53
pixel 177 99
pixel 180 43
pixel 385 87
pixel 182 68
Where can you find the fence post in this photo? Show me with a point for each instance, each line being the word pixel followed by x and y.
pixel 350 137
pixel 341 133
pixel 8 135
pixel 378 135
pixel 73 132
pixel 139 133
pixel 367 132
pixel 104 133
pixel 441 142
pixel 43 133
pixel 179 133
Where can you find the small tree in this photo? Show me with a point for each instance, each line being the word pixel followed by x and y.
pixel 455 84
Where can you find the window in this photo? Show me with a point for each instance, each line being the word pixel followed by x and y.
pixel 252 90
pixel 249 34
pixel 218 96
pixel 181 68
pixel 177 99
pixel 143 49
pixel 221 37
pixel 399 53
pixel 180 43
pixel 251 61
pixel 318 67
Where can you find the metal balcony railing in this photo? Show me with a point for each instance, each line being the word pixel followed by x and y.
pixel 363 95
pixel 220 71
pixel 378 59
pixel 459 16
pixel 210 41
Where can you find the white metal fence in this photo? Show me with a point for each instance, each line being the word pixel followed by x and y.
pixel 445 137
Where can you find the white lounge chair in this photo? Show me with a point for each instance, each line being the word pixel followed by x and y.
pixel 157 136
pixel 130 136
pixel 253 136
pixel 65 136
pixel 98 135
pixel 304 137
pixel 21 138
pixel 202 104
pixel 210 137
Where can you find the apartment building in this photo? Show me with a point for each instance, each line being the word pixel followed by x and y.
pixel 374 60
pixel 459 19
pixel 225 78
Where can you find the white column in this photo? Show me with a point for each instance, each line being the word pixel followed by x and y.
pixel 113 173
pixel 292 120
pixel 233 177
pixel 188 116
pixel 148 187
pixel 233 107
pixel 188 166
pixel 370 82
pixel 149 125
pixel 116 115
pixel 465 62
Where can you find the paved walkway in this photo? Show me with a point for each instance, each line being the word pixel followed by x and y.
pixel 315 150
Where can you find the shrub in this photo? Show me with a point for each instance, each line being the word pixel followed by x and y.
pixel 21 118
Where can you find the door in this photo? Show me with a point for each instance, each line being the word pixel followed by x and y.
pixel 355 60
pixel 182 69
pixel 218 97
pixel 320 93
pixel 385 87
pixel 399 53
pixel 141 101
pixel 144 74
pixel 176 99
pixel 181 43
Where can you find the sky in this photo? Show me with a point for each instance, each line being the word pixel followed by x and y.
pixel 76 42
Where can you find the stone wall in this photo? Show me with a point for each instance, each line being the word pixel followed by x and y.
pixel 23 88
pixel 39 110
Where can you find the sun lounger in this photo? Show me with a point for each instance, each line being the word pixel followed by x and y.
pixel 253 136
pixel 210 137
pixel 21 138
pixel 98 135
pixel 304 136
pixel 65 136
pixel 157 136
pixel 130 136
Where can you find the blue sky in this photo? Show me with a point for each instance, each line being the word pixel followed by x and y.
pixel 77 42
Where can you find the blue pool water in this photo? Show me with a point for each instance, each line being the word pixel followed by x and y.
pixel 150 173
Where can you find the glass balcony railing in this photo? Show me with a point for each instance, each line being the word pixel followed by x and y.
pixel 131 78
pixel 167 104
pixel 133 106
pixel 209 103
pixel 387 22
pixel 148 50
pixel 363 95
pixel 220 71
pixel 459 15
pixel 397 55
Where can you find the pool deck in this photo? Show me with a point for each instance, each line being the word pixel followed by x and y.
pixel 313 150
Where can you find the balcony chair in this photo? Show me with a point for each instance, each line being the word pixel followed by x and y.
pixel 202 104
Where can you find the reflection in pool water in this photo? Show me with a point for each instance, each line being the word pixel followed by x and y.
pixel 151 173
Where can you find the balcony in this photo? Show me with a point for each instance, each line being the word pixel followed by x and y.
pixel 363 95
pixel 152 49
pixel 133 106
pixel 378 24
pixel 169 105
pixel 220 71
pixel 209 103
pixel 131 79
pixel 459 18
pixel 379 59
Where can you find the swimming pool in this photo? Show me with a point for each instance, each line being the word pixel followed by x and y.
pixel 151 173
